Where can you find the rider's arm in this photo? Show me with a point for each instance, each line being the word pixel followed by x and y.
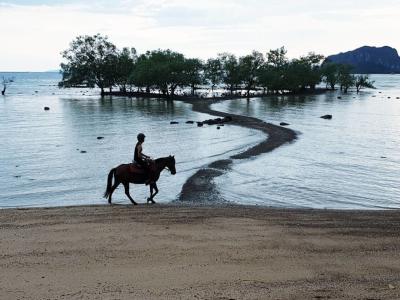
pixel 141 154
pixel 145 156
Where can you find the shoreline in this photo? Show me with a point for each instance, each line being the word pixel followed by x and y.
pixel 200 186
pixel 203 252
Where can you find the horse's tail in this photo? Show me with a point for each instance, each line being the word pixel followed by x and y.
pixel 109 183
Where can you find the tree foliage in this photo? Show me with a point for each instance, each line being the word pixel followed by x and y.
pixel 362 81
pixel 91 61
pixel 95 61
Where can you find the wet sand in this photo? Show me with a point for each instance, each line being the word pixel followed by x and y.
pixel 198 252
pixel 200 187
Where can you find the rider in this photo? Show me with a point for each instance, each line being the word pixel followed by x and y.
pixel 142 159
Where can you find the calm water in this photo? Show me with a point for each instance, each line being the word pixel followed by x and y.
pixel 41 163
pixel 351 161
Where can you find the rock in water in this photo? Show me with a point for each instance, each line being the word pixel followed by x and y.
pixel 173 122
pixel 100 137
pixel 327 117
pixel 46 108
pixel 284 124
pixel 189 122
pixel 199 124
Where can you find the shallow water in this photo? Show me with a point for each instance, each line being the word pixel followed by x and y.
pixel 349 162
pixel 41 163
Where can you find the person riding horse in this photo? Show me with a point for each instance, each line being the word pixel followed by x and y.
pixel 142 159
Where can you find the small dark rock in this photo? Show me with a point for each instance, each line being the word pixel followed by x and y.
pixel 227 119
pixel 284 124
pixel 100 137
pixel 389 97
pixel 200 124
pixel 83 151
pixel 173 122
pixel 36 92
pixel 17 176
pixel 339 97
pixel 46 108
pixel 383 157
pixel 397 97
pixel 218 127
pixel 327 117
pixel 189 122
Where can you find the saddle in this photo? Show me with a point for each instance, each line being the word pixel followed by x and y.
pixel 136 168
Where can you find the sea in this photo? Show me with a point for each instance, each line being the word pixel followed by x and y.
pixel 62 156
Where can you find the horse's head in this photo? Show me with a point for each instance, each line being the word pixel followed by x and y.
pixel 171 164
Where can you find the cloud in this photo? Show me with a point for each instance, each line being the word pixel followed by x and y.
pixel 35 32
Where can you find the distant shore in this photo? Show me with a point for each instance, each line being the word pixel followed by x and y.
pixel 198 252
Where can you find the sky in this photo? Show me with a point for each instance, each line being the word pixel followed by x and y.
pixel 34 32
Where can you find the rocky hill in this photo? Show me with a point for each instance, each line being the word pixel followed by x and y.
pixel 370 60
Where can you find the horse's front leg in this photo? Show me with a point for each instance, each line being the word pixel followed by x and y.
pixel 153 186
pixel 126 185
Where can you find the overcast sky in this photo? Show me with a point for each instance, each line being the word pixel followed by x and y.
pixel 34 32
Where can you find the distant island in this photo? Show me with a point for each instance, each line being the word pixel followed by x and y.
pixel 370 60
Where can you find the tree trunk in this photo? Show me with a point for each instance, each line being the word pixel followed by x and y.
pixel 192 89
pixel 102 91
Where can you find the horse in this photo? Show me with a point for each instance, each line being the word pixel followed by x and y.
pixel 123 174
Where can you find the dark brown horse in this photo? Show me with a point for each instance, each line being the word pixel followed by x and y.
pixel 123 174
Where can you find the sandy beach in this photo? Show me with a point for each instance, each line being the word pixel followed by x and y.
pixel 198 252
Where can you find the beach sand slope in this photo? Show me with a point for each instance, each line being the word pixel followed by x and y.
pixel 186 252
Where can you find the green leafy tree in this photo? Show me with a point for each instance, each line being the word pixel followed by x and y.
pixel 362 81
pixel 164 70
pixel 90 61
pixel 277 57
pixel 275 72
pixel 193 69
pixel 213 72
pixel 250 66
pixel 345 78
pixel 311 70
pixel 125 66
pixel 330 74
pixel 231 73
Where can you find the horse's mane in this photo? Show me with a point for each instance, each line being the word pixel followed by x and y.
pixel 162 158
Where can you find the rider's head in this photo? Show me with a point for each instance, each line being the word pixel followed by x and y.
pixel 140 137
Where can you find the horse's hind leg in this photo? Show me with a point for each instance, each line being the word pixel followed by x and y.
pixel 152 186
pixel 116 184
pixel 126 185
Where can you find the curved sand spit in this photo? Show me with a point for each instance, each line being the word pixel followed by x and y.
pixel 200 186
